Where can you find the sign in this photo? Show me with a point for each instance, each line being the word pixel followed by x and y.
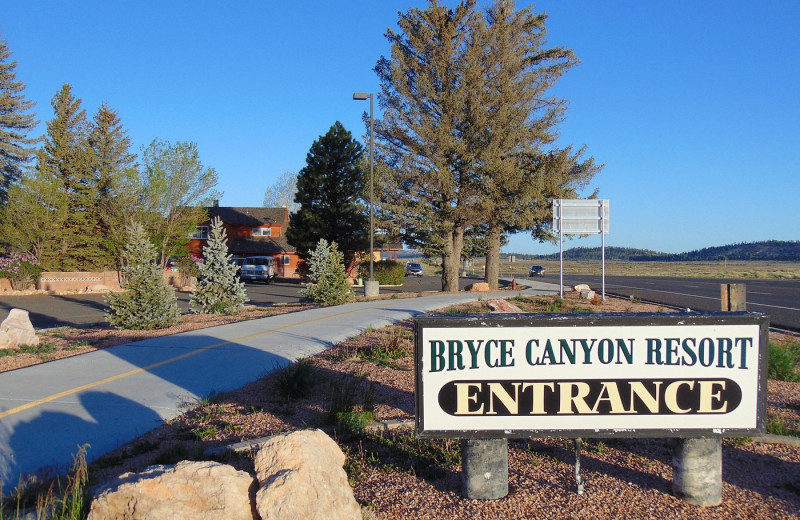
pixel 657 375
pixel 580 216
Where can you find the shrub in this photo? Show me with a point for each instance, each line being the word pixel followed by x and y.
pixel 296 380
pixel 218 290
pixel 328 283
pixel 22 270
pixel 387 272
pixel 147 302
pixel 783 361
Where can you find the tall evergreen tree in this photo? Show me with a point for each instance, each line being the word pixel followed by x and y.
pixel 16 149
pixel 67 159
pixel 218 288
pixel 116 177
pixel 429 187
pixel 512 125
pixel 330 190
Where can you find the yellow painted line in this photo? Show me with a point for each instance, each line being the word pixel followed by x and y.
pixel 135 371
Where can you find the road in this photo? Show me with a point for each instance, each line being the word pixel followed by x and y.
pixel 780 299
pixel 48 311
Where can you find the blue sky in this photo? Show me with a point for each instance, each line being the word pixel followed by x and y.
pixel 693 107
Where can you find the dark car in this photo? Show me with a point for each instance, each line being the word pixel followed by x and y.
pixel 414 269
pixel 535 270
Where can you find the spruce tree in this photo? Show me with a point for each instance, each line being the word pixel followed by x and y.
pixel 218 289
pixel 116 178
pixel 330 191
pixel 147 302
pixel 328 278
pixel 67 159
pixel 16 149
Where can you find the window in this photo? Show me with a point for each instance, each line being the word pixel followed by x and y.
pixel 262 232
pixel 200 233
pixel 286 259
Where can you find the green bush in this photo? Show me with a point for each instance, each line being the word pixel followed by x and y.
pixel 22 270
pixel 328 283
pixel 387 272
pixel 218 289
pixel 783 361
pixel 147 302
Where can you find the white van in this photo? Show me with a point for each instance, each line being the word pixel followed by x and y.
pixel 259 268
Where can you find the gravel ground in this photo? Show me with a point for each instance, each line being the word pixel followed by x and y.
pixel 396 476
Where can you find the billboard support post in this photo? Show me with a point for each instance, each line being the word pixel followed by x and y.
pixel 581 217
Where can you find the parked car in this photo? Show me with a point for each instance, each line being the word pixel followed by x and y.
pixel 413 269
pixel 259 269
pixel 238 261
pixel 535 270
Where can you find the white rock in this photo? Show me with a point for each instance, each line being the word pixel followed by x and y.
pixel 19 328
pixel 301 477
pixel 186 491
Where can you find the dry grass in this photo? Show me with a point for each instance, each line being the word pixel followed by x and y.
pixel 721 269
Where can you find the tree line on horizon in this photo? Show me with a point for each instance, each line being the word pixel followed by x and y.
pixel 766 250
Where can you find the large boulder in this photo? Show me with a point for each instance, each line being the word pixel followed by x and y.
pixel 478 287
pixel 18 329
pixel 185 491
pixel 301 477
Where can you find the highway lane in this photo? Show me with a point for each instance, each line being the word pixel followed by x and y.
pixel 780 299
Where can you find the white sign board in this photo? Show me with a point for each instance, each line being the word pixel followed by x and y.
pixel 666 375
pixel 580 216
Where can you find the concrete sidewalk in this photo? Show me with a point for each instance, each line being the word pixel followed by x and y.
pixel 109 397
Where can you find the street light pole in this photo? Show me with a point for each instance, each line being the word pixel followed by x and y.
pixel 371 287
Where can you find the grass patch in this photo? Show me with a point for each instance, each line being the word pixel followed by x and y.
pixel 65 498
pixel 42 348
pixel 351 404
pixel 395 344
pixel 427 459
pixel 296 381
pixel 783 426
pixel 784 359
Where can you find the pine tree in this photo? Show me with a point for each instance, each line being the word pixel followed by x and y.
pixel 218 288
pixel 16 149
pixel 330 189
pixel 116 178
pixel 513 121
pixel 328 278
pixel 148 301
pixel 428 185
pixel 67 159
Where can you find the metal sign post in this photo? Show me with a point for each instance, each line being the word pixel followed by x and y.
pixel 581 217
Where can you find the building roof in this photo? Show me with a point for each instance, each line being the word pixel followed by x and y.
pixel 249 216
pixel 259 246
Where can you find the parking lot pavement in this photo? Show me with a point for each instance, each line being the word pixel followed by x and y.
pixel 48 311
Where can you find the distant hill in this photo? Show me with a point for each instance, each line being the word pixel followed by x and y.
pixel 772 250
